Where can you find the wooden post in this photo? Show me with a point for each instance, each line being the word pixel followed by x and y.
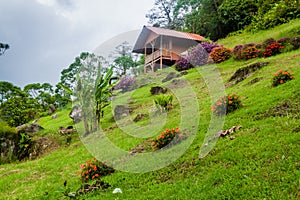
pixel 161 51
pixel 152 64
pixel 145 69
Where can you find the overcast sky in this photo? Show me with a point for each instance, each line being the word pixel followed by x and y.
pixel 46 35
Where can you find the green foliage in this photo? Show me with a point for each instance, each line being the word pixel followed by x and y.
pixel 281 77
pixel 14 145
pixel 19 110
pixel 164 102
pixel 103 92
pixel 8 90
pixel 94 169
pixel 274 12
pixel 236 14
pixel 220 54
pixel 227 104
pixel 124 63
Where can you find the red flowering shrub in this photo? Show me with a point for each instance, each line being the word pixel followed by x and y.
pixel 94 169
pixel 272 49
pixel 267 42
pixel 227 104
pixel 166 137
pixel 220 54
pixel 281 77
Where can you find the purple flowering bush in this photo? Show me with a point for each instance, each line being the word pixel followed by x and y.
pixel 183 64
pixel 197 56
pixel 208 46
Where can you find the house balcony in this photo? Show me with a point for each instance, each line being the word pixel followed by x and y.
pixel 165 54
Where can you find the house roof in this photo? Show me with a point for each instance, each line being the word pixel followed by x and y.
pixel 147 30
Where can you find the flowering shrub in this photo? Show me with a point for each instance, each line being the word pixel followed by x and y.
pixel 272 49
pixel 237 49
pixel 249 53
pixel 208 46
pixel 220 54
pixel 183 64
pixel 164 102
pixel 166 137
pixel 125 84
pixel 267 42
pixel 197 56
pixel 94 169
pixel 281 77
pixel 227 104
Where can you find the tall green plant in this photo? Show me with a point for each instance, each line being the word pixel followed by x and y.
pixel 103 92
pixel 164 102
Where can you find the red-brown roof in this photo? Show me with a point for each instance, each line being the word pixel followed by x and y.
pixel 147 30
pixel 178 34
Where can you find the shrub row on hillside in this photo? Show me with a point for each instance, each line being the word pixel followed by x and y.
pixel 267 48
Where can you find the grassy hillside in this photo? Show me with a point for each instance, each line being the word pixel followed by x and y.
pixel 260 161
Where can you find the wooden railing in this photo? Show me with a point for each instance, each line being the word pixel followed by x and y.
pixel 166 54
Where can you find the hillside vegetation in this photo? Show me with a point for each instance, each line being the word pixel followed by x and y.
pixel 259 161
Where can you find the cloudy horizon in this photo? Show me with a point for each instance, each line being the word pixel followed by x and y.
pixel 45 36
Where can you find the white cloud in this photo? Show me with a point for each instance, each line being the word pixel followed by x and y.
pixel 46 35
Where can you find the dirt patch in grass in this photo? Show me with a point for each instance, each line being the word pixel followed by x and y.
pixel 44 145
pixel 245 72
pixel 286 108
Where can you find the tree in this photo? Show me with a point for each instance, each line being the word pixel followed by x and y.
pixel 203 18
pixel 3 48
pixel 123 64
pixel 8 90
pixel 166 14
pixel 18 110
pixel 124 59
pixel 91 90
pixel 32 90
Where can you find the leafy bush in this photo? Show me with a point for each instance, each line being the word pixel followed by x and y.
pixel 94 169
pixel 164 102
pixel 295 42
pixel 227 104
pixel 281 77
pixel 125 84
pixel 286 43
pixel 272 49
pixel 14 145
pixel 183 64
pixel 167 136
pixel 220 54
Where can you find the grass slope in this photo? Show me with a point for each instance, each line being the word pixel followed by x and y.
pixel 261 162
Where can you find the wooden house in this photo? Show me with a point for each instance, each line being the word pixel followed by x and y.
pixel 163 46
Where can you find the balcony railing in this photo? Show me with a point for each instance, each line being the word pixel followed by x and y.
pixel 166 54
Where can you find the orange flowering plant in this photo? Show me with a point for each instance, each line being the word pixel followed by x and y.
pixel 167 136
pixel 227 104
pixel 94 169
pixel 281 77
